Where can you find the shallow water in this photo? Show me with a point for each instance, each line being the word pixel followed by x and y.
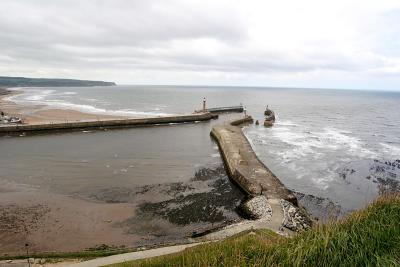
pixel 69 162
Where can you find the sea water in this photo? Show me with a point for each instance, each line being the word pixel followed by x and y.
pixel 338 144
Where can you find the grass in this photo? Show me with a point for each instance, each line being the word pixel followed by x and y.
pixel 370 237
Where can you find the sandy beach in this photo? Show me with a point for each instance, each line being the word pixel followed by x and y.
pixel 39 114
pixel 51 222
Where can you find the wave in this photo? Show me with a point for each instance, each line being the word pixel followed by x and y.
pixel 41 97
pixel 286 123
pixel 315 144
pixel 392 150
pixel 101 111
pixel 29 96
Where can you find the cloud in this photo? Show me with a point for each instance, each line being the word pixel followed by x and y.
pixel 292 43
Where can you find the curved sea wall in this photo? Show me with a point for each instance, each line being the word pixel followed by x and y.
pixel 109 123
pixel 270 203
pixel 243 165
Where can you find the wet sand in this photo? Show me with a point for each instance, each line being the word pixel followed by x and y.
pixel 38 114
pixel 115 217
pixel 50 222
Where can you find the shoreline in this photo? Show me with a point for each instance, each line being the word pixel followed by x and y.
pixel 39 114
pixel 37 118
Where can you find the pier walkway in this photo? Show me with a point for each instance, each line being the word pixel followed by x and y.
pixel 243 165
pixel 118 123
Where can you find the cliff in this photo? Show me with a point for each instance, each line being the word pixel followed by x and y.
pixel 44 82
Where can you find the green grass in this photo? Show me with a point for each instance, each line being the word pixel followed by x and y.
pixel 370 237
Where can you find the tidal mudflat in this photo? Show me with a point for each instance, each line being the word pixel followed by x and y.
pixel 130 187
pixel 117 216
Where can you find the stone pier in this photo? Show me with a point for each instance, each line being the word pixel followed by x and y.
pixel 270 203
pixel 243 165
pixel 119 123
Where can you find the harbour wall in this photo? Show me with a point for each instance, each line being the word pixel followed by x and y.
pixel 226 109
pixel 243 165
pixel 119 123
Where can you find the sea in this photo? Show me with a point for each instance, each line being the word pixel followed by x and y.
pixel 337 145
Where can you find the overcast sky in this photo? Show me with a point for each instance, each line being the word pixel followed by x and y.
pixel 307 43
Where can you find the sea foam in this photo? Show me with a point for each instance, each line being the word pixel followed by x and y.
pixel 34 96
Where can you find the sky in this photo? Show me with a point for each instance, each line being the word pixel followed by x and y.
pixel 351 44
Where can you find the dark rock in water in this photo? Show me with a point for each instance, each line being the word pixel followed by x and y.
pixel 295 218
pixel 257 123
pixel 268 123
pixel 268 112
pixel 270 115
pixel 388 186
pixel 319 208
pixel 345 172
pixel 270 118
pixel 386 174
pixel 205 174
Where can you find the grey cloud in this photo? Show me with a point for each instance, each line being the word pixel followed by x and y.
pixel 116 23
pixel 122 34
pixel 54 34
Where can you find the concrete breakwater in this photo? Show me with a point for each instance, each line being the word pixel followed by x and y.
pixel 226 109
pixel 243 165
pixel 270 202
pixel 119 123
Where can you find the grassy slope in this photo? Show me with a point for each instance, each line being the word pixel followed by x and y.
pixel 370 237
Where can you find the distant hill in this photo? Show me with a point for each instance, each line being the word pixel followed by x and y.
pixel 43 82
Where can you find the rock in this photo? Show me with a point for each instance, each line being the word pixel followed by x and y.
pixel 270 117
pixel 257 122
pixel 257 208
pixel 294 218
pixel 268 123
